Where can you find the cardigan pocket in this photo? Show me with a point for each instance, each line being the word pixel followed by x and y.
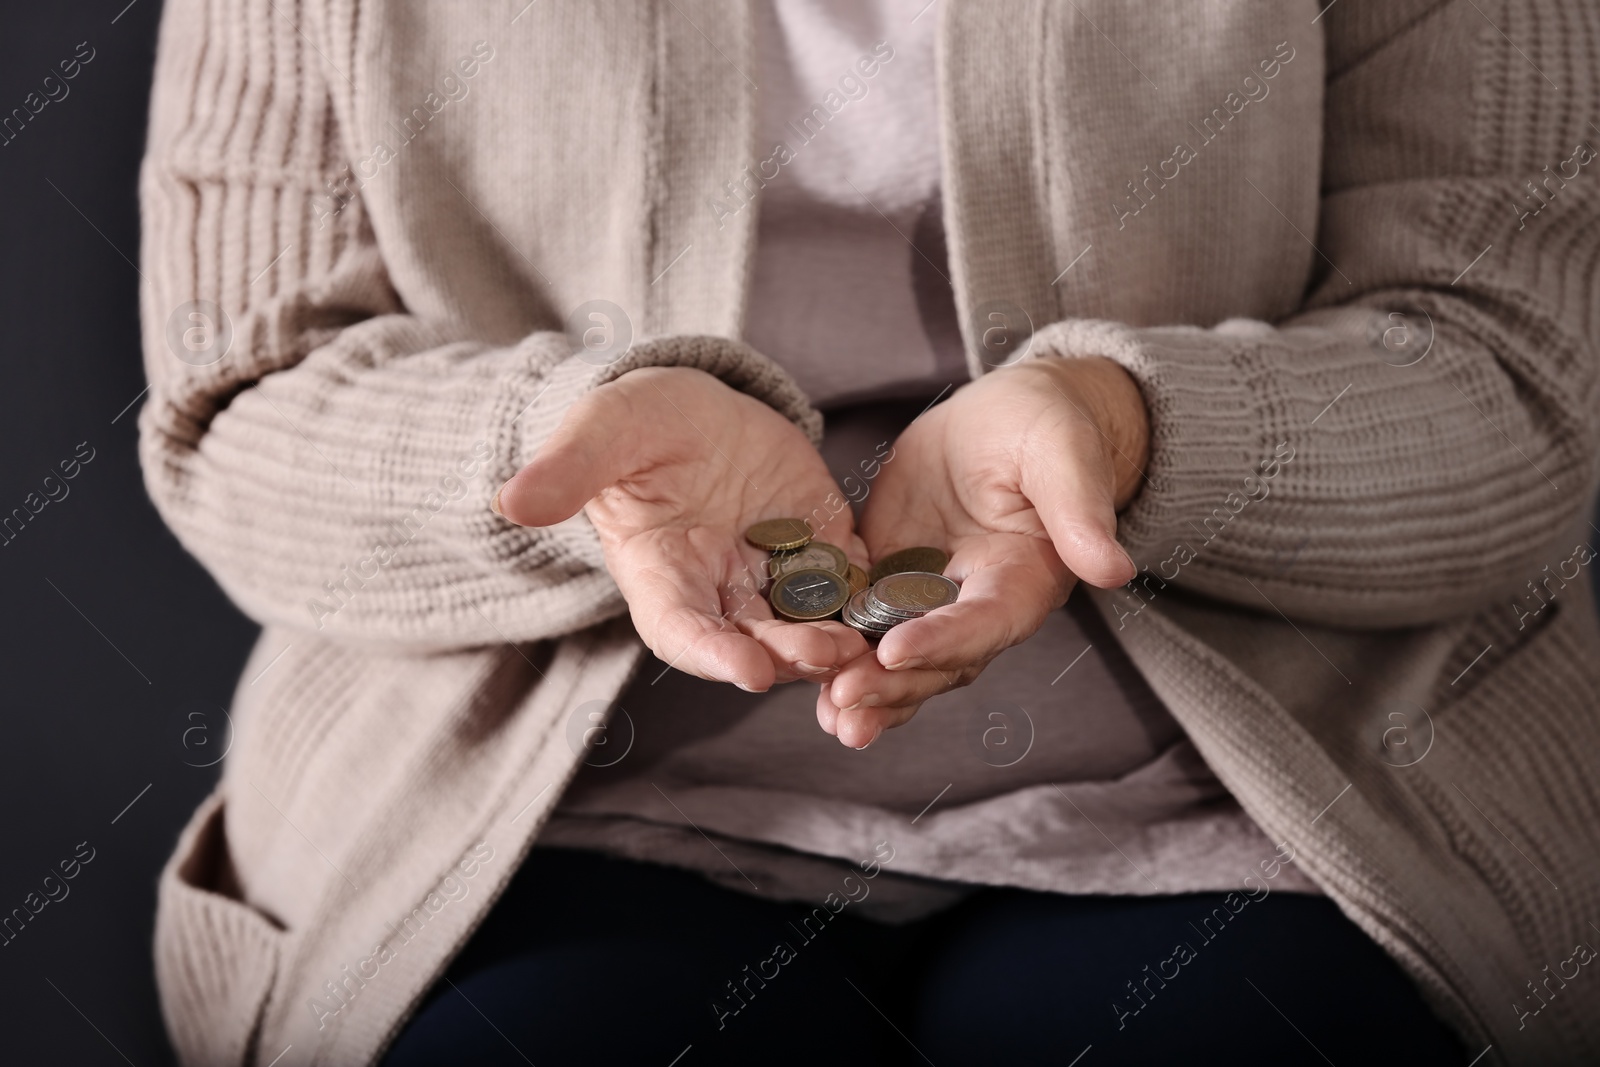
pixel 216 957
pixel 1509 795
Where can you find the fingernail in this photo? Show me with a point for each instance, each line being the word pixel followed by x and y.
pixel 746 688
pixel 898 665
pixel 877 732
pixel 494 503
pixel 870 700
pixel 808 668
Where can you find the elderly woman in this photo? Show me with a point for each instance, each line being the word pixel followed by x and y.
pixel 1234 359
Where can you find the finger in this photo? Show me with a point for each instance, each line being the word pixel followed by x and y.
pixel 848 642
pixel 800 650
pixel 592 449
pixel 1069 481
pixel 865 700
pixel 827 711
pixel 1003 601
pixel 859 727
pixel 679 613
pixel 864 683
pixel 709 646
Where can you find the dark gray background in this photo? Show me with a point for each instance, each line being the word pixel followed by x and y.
pixel 85 729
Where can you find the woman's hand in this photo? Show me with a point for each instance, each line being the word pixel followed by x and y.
pixel 672 466
pixel 1019 477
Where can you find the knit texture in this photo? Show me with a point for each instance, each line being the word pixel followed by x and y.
pixel 400 213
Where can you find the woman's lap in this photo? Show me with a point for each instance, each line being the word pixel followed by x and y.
pixel 592 960
pixel 1024 978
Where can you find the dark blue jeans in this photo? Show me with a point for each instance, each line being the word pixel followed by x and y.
pixel 592 960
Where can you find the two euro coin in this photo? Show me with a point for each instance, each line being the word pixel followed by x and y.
pixel 898 598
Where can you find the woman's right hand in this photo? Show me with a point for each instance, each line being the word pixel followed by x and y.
pixel 671 466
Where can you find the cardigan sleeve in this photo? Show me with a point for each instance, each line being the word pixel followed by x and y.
pixel 328 456
pixel 1410 445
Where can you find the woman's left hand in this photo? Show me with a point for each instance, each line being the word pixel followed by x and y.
pixel 1018 477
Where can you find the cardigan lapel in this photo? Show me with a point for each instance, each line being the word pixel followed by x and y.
pixel 704 132
pixel 579 164
pixel 992 180
pixel 1152 164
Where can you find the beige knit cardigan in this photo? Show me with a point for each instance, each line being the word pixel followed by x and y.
pixel 393 209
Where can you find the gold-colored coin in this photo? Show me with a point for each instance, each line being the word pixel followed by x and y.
pixel 818 555
pixel 779 535
pixel 806 596
pixel 921 558
pixel 857 579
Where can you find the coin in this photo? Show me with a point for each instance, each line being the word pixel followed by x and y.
pixel 911 594
pixel 857 579
pixel 779 535
pixel 873 613
pixel 921 558
pixel 817 556
pixel 805 596
pixel 856 615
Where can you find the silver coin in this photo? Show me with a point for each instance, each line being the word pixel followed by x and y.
pixel 911 594
pixel 872 636
pixel 855 617
pixel 874 611
pixel 805 596
pixel 856 614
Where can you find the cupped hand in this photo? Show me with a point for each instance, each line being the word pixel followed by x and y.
pixel 1019 477
pixel 671 466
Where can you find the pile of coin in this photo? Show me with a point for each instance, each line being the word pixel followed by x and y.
pixel 897 598
pixel 812 580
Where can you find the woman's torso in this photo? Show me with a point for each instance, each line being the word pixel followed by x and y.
pixel 1059 753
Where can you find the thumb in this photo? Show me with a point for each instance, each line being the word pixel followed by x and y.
pixel 586 454
pixel 1073 494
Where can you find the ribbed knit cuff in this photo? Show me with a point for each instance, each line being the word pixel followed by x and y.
pixel 1207 434
pixel 557 379
pixel 736 364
